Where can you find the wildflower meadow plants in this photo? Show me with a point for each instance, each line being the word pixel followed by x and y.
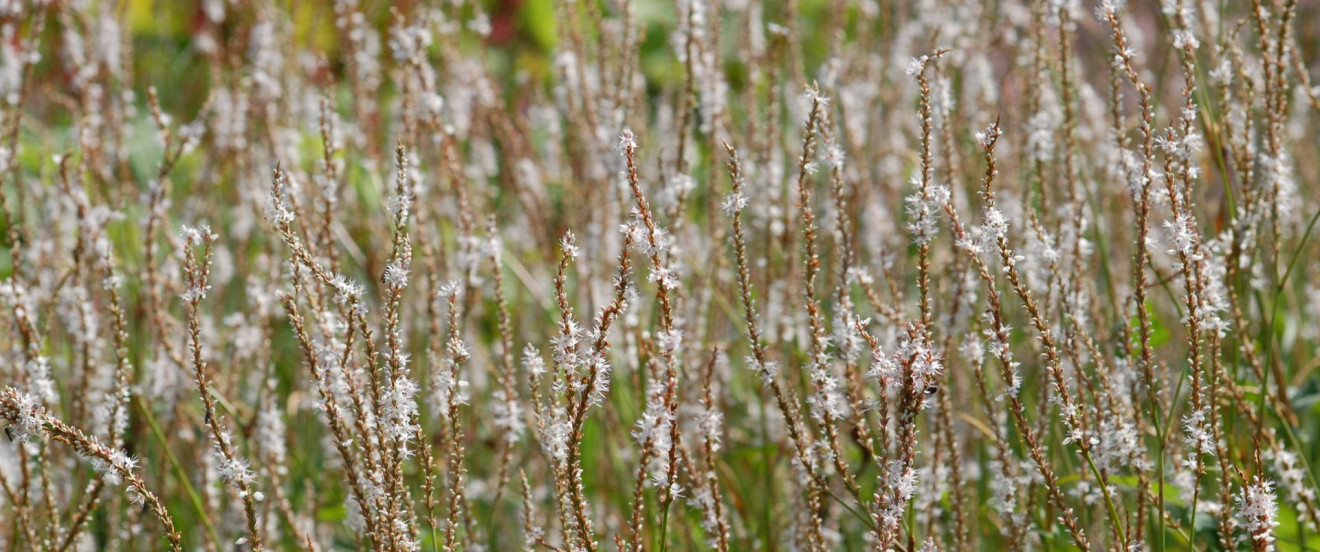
pixel 637 275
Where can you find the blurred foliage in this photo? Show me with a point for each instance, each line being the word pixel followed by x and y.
pixel 165 55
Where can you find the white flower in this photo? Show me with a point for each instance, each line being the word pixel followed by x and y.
pixel 399 410
pixel 112 470
pixel 1184 38
pixel 39 379
pixel 813 97
pixel 915 67
pixel 532 361
pixel 627 141
pixel 399 206
pixel 710 423
pixel 1182 234
pixel 567 244
pixel 634 232
pixel 923 213
pixel 733 203
pixel 196 235
pixel 1108 8
pixel 277 209
pixel 657 242
pixel 669 340
pixel 1257 511
pixel 665 277
pixel 996 224
pixel 396 275
pixel 767 371
pixel 507 415
pixel 1198 438
pixel 190 234
pixel 835 157
pixel 988 136
pixel 28 416
pixel 194 293
pixel 554 440
pixel 233 470
pixel 346 290
pixel 450 289
pixel 1222 74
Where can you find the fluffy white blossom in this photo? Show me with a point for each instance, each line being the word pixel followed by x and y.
pixel 915 67
pixel 396 275
pixel 1257 511
pixel 113 468
pixel 1184 38
pixel 733 203
pixel 28 416
pixel 627 141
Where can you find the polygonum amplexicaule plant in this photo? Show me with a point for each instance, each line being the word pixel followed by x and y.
pixel 638 275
